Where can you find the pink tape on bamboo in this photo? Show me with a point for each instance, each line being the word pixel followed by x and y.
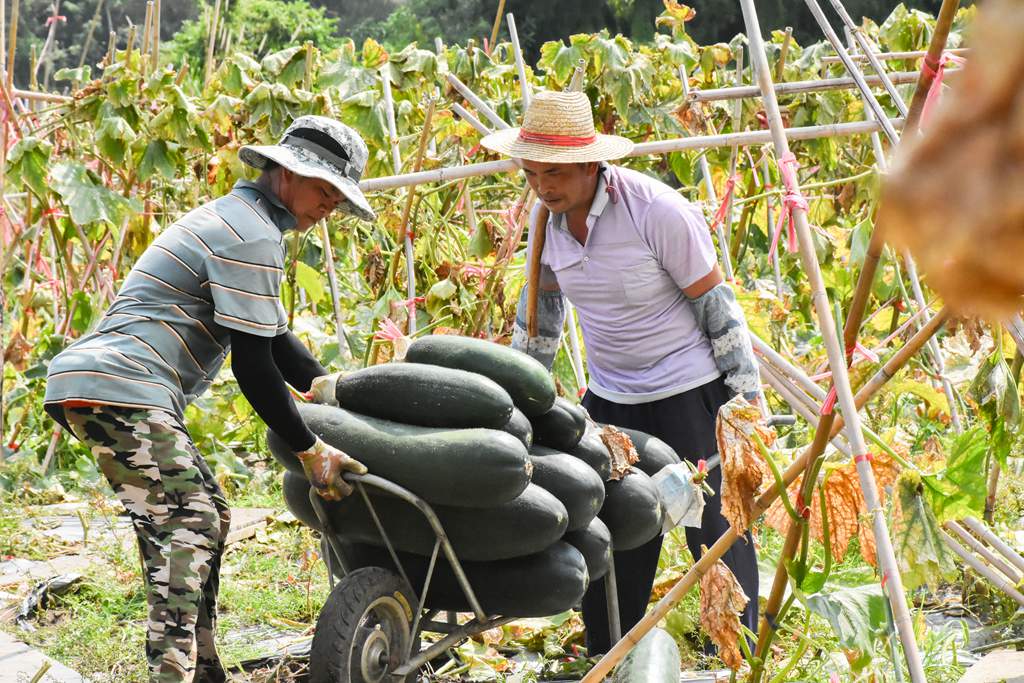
pixel 935 91
pixel 788 166
pixel 730 188
pixel 830 402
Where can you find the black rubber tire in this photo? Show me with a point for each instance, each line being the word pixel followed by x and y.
pixel 370 610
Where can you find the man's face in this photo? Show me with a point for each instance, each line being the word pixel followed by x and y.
pixel 310 199
pixel 561 187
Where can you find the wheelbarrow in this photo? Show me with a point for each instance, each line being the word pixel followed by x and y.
pixel 369 628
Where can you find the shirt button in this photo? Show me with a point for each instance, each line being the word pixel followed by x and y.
pixel 586 259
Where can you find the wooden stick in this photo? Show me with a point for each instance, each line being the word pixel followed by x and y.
pixel 89 33
pixel 734 153
pixel 12 44
pixel 709 186
pixel 404 236
pixel 497 25
pixel 389 111
pixel 3 69
pixel 758 137
pixel 994 577
pixel 575 354
pixel 477 103
pixel 539 229
pixel 212 28
pixel 801 87
pixel 156 34
pixel 985 534
pixel 894 56
pixel 517 53
pixel 332 279
pixel 780 66
pixel 147 34
pixel 800 402
pixel 940 35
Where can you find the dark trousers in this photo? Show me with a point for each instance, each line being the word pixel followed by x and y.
pixel 686 422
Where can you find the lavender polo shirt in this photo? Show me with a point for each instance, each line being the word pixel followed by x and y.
pixel 644 244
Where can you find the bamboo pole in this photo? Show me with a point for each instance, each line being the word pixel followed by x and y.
pixel 758 137
pixel 405 236
pixel 985 534
pixel 332 279
pixel 89 32
pixel 3 54
pixel 769 222
pixel 212 28
pixel 868 50
pixel 801 87
pixel 737 124
pixel 800 402
pixel 477 103
pixel 995 578
pixel 389 110
pixel 12 45
pixel 575 353
pixel 709 186
pixel 517 53
pixel 977 546
pixel 836 356
pixel 940 35
pixel 851 68
pixel 882 163
pixel 895 56
pixel 469 118
pixel 780 66
pixel 156 34
pixel 497 25
pixel 147 34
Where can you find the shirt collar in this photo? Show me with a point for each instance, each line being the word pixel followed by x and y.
pixel 278 212
pixel 597 205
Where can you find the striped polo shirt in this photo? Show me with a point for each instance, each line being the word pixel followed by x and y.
pixel 165 336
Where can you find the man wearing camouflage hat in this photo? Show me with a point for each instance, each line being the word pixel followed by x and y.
pixel 209 284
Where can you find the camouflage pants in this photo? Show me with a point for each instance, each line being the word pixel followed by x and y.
pixel 181 520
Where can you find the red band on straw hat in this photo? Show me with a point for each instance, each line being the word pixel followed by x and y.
pixel 556 140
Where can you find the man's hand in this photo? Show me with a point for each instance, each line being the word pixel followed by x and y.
pixel 324 465
pixel 321 390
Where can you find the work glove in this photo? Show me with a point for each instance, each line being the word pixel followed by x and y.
pixel 322 388
pixel 324 465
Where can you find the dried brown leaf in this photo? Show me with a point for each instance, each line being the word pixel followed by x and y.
pixel 620 449
pixel 721 602
pixel 866 535
pixel 946 198
pixel 743 468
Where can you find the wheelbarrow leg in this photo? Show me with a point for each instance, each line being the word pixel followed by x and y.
pixel 612 593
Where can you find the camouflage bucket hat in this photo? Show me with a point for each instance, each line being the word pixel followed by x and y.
pixel 320 147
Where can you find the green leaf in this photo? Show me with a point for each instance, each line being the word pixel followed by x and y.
pixel 559 60
pixel 924 391
pixel 86 198
pixel 81 74
pixel 28 161
pixel 959 490
pixel 274 64
pixel 682 165
pixel 114 137
pixel 439 295
pixel 309 279
pixel 920 551
pixel 857 616
pixel 83 315
pixel 480 244
pixel 158 158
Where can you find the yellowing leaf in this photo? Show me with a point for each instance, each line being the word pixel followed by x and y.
pixel 743 467
pixel 721 602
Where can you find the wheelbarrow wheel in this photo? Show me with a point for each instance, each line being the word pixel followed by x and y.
pixel 364 630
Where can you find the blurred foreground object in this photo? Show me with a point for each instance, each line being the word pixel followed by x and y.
pixel 956 193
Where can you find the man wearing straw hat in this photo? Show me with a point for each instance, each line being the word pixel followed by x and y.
pixel 209 284
pixel 666 342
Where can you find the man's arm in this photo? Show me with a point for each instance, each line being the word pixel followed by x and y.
pixel 721 319
pixel 296 363
pixel 550 319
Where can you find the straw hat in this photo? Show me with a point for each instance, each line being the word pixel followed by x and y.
pixel 319 147
pixel 558 128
